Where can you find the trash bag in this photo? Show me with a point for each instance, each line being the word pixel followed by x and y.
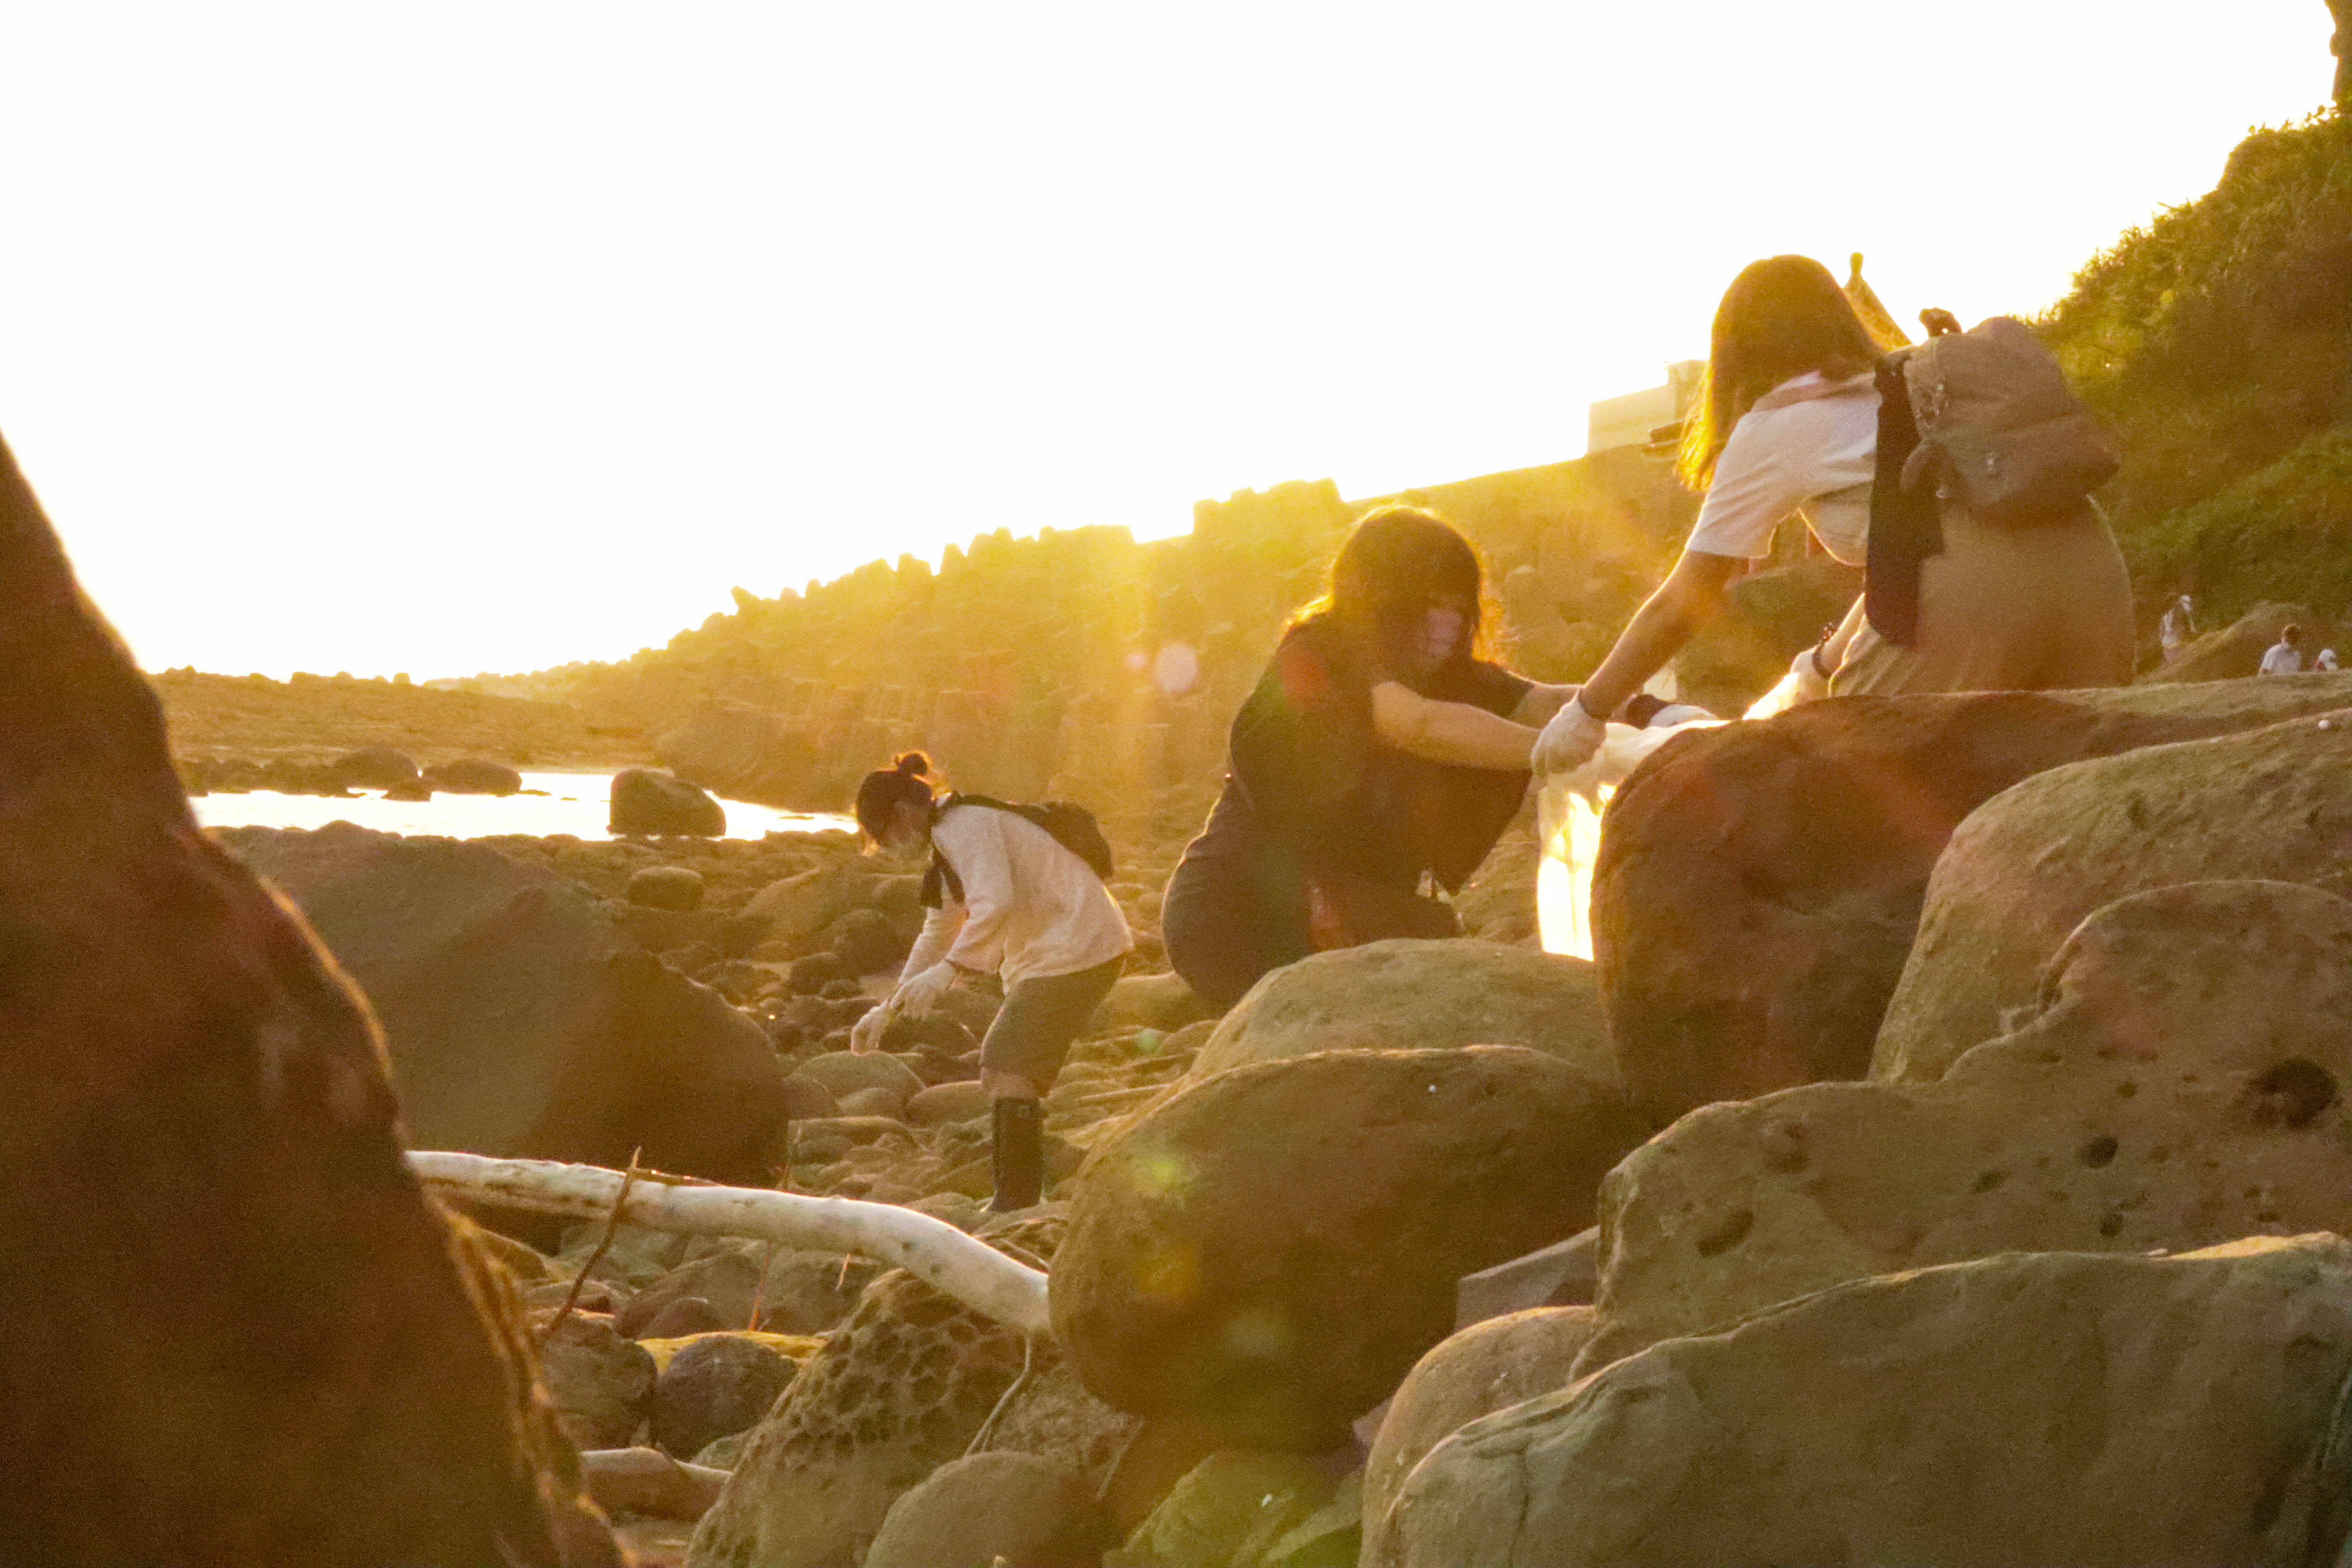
pixel 1567 821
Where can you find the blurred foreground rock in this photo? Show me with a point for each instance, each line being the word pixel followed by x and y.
pixel 237 1331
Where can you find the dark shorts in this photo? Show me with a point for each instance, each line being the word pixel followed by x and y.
pixel 1040 1017
pixel 1227 920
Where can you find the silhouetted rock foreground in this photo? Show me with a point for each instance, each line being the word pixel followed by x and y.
pixel 236 1331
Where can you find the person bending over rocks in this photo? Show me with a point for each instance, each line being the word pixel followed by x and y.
pixel 1789 420
pixel 1006 898
pixel 1379 756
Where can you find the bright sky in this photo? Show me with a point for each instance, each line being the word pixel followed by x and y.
pixel 450 337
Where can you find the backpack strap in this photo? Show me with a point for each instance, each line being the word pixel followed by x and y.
pixel 1905 528
pixel 941 883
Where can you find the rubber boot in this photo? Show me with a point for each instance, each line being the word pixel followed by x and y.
pixel 1016 1152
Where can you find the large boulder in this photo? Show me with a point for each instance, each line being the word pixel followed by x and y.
pixel 1408 995
pixel 648 800
pixel 237 1329
pixel 2178 1084
pixel 473 776
pixel 2027 866
pixel 2236 650
pixel 897 1391
pixel 1268 1251
pixel 1759 885
pixel 522 1020
pixel 1486 1367
pixel 2052 1408
pixel 372 767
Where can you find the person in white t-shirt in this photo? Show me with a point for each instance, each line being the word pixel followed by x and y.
pixel 2284 656
pixel 1006 898
pixel 2177 626
pixel 1788 422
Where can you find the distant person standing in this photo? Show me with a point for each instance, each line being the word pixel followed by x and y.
pixel 1005 897
pixel 2177 627
pixel 2284 656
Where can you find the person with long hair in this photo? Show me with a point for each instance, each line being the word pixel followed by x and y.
pixel 1005 897
pixel 1379 757
pixel 1788 421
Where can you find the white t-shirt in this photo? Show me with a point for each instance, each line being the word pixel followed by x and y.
pixel 2282 659
pixel 1807 439
pixel 1030 907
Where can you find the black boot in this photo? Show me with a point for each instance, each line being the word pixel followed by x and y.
pixel 1016 1152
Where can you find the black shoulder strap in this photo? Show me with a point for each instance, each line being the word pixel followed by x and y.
pixel 1904 529
pixel 941 883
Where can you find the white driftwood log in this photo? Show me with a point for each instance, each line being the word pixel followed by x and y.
pixel 971 1271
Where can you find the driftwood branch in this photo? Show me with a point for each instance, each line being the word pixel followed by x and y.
pixel 971 1271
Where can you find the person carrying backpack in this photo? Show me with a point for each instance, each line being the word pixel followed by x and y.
pixel 1011 896
pixel 1958 472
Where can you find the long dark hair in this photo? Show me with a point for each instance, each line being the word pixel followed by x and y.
pixel 1397 562
pixel 883 791
pixel 1781 317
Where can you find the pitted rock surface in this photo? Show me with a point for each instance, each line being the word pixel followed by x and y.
pixel 2028 865
pixel 898 1390
pixel 1759 885
pixel 2063 1409
pixel 2181 1084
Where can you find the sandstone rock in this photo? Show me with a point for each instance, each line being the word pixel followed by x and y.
pixel 811 974
pixel 992 1508
pixel 675 888
pixel 522 1020
pixel 473 776
pixel 873 1102
pixel 1488 1367
pixel 372 767
pixel 2177 1085
pixel 648 801
pixel 1565 1274
pixel 648 1481
pixel 1240 1509
pixel 717 1386
pixel 947 1103
pixel 1159 1001
pixel 1273 1248
pixel 2048 1408
pixel 799 906
pixel 846 1072
pixel 684 1315
pixel 867 941
pixel 1053 1417
pixel 897 1391
pixel 601 1384
pixel 2026 867
pixel 412 790
pixel 2237 649
pixel 805 1098
pixel 1416 995
pixel 795 1291
pixel 236 1331
pixel 1759 885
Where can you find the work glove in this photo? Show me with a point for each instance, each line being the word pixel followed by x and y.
pixel 1805 670
pixel 866 1035
pixel 919 994
pixel 1567 741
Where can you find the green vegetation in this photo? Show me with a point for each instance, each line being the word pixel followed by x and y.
pixel 2217 342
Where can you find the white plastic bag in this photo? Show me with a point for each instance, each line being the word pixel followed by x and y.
pixel 1568 823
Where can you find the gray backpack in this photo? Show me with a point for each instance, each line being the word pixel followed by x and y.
pixel 2000 433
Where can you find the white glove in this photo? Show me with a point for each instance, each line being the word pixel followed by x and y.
pixel 866 1035
pixel 1811 684
pixel 918 993
pixel 1567 741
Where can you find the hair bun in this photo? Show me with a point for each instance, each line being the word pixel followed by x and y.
pixel 912 765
